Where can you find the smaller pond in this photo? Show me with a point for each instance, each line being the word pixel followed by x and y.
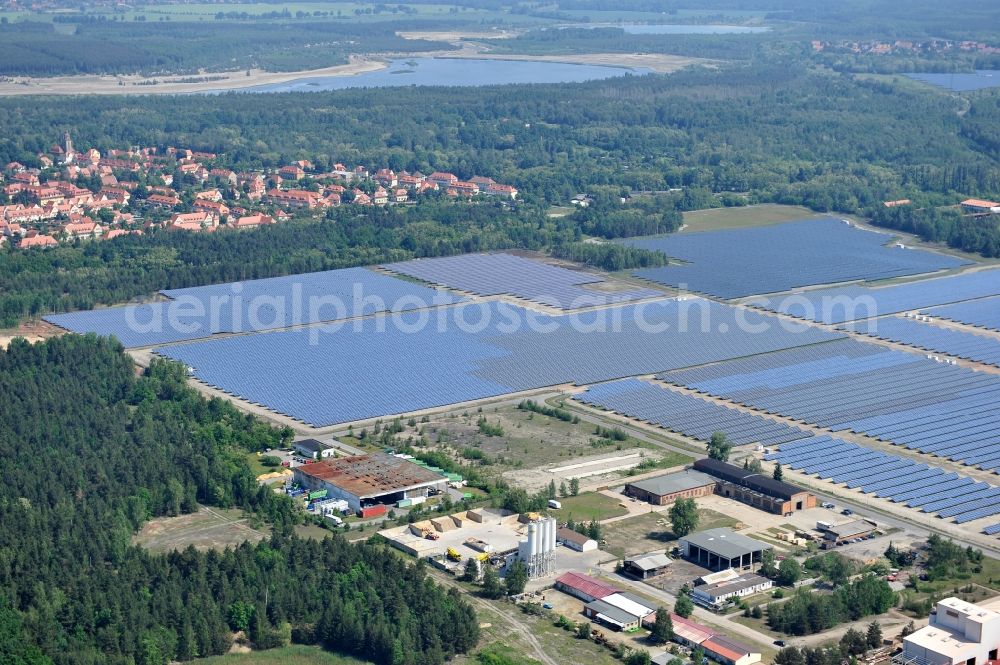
pixel 962 82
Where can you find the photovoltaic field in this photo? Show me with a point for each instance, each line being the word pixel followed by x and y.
pixel 983 313
pixel 929 489
pixel 850 386
pixel 923 335
pixel 770 259
pixel 849 303
pixel 260 304
pixel 687 415
pixel 391 364
pixel 506 274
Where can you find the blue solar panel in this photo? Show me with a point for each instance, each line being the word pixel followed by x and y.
pixel 506 274
pixel 769 259
pixel 390 364
pixel 916 485
pixel 846 385
pixel 260 304
pixel 687 415
pixel 850 303
pixel 992 529
pixel 922 335
pixel 983 313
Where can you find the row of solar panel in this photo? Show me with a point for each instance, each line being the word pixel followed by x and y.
pixel 992 529
pixel 851 303
pixel 388 365
pixel 781 257
pixel 899 479
pixel 255 305
pixel 506 274
pixel 897 397
pixel 958 343
pixel 983 313
pixel 686 414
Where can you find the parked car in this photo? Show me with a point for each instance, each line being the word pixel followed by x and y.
pixel 779 643
pixel 846 511
pixel 827 504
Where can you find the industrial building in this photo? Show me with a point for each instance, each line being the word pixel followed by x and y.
pixel 838 534
pixel 584 587
pixel 313 449
pixel 728 651
pixel 538 551
pixel 575 540
pixel 756 489
pixel 644 567
pixel 621 611
pixel 717 595
pixel 665 489
pixel 959 633
pixel 717 647
pixel 364 480
pixel 718 549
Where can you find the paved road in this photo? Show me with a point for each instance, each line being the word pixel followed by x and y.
pixel 700 614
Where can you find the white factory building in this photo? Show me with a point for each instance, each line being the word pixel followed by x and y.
pixel 959 633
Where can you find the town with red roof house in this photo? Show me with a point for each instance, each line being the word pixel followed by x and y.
pixel 83 195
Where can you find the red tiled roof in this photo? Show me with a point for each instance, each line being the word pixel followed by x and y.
pixel 980 203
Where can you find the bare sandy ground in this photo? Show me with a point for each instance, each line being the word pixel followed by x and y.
pixel 453 36
pixel 6 339
pixel 662 64
pixel 109 85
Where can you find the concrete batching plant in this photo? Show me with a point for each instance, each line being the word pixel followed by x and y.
pixel 538 552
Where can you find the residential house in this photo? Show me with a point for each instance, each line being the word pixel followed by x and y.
pixel 34 239
pixel 253 221
pixel 442 179
pixel 293 198
pixel 193 221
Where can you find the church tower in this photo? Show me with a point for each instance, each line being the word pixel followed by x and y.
pixel 69 155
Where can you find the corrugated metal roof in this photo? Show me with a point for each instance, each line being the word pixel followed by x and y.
pixel 725 542
pixel 586 585
pixel 674 482
pixel 688 630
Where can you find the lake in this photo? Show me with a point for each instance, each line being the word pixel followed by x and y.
pixel 675 28
pixel 962 82
pixel 454 72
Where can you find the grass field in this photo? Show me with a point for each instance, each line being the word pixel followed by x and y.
pixel 717 219
pixel 293 655
pixel 529 440
pixel 590 506
pixel 206 529
pixel 651 532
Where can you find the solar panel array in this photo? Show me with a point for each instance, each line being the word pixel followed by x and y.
pixel 846 385
pixel 849 303
pixel 983 313
pixel 992 529
pixel 260 304
pixel 391 364
pixel 931 489
pixel 506 274
pixel 953 342
pixel 686 414
pixel 768 259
